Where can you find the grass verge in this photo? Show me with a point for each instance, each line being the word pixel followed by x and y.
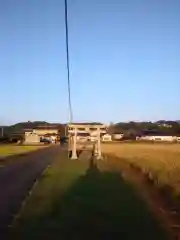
pixel 79 199
pixel 10 149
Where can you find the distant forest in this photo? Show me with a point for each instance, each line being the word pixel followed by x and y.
pixel 135 128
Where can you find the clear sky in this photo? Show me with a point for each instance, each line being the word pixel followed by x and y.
pixel 124 54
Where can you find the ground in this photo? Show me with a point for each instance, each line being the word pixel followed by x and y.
pixel 84 199
pixel 17 178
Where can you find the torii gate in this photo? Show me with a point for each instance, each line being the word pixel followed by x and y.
pixel 74 145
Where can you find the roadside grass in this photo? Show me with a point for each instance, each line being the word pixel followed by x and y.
pixel 160 161
pixel 10 149
pixel 82 199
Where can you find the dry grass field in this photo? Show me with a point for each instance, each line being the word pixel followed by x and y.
pixel 162 161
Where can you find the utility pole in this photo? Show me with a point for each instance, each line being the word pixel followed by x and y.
pixel 67 60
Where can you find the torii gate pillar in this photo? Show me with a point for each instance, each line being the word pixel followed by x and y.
pixel 74 147
pixel 99 156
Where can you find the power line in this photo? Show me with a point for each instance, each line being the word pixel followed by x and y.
pixel 67 59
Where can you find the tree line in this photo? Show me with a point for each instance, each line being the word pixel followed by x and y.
pixel 136 128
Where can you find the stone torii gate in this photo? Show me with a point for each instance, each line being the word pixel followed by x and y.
pixel 75 145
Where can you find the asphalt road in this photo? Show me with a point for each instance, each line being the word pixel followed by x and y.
pixel 17 179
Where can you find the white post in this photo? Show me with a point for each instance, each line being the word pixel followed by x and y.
pixel 74 150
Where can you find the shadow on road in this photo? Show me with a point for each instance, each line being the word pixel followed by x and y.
pixel 99 205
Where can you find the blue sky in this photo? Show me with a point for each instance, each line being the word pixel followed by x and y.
pixel 124 58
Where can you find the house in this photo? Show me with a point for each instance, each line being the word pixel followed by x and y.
pixel 165 125
pixel 106 138
pixel 117 136
pixel 51 129
pixel 31 138
pixel 151 135
pixel 49 132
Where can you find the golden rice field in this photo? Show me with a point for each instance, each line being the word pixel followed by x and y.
pixel 161 160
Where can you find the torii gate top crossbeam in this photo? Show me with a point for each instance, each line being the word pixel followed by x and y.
pixel 87 127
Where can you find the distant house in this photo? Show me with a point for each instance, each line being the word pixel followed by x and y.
pixel 165 125
pixel 156 136
pixel 50 130
pixel 41 132
pixel 106 138
pixel 31 138
pixel 117 136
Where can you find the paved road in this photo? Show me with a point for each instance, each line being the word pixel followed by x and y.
pixel 17 179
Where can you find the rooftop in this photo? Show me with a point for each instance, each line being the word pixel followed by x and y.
pixel 52 126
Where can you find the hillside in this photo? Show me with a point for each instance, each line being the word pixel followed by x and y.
pixel 129 128
pixel 20 127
